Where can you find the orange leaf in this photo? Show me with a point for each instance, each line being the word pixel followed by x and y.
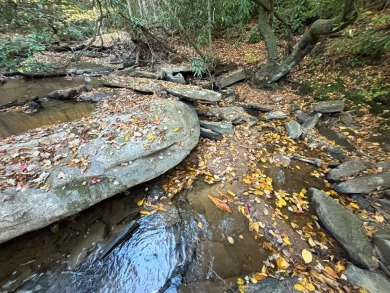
pixel 331 272
pixel 220 204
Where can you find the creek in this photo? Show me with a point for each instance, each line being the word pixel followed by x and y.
pixel 188 246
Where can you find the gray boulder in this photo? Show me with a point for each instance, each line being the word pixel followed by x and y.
pixel 271 285
pixel 275 115
pixel 207 133
pixel 331 106
pixel 311 122
pixel 293 129
pixel 365 184
pixel 257 107
pixel 372 282
pixel 194 94
pixel 218 127
pixel 235 115
pixel 178 78
pixel 382 244
pixel 79 172
pixel 346 169
pixel 232 78
pixel 345 227
pixel 133 72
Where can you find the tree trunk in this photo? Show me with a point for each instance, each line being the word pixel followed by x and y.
pixel 273 72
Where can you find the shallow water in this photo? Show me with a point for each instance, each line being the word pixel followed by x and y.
pixel 53 111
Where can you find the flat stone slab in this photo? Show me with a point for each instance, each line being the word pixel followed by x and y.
pixel 235 115
pixel 311 122
pixel 345 227
pixel 365 184
pixel 346 169
pixel 232 78
pixel 208 133
pixel 275 115
pixel 193 94
pixel 218 127
pixel 331 106
pixel 49 174
pixel 373 282
pixel 257 107
pixel 138 73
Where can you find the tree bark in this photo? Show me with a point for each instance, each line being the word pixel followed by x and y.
pixel 269 74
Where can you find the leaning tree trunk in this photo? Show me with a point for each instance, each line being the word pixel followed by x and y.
pixel 272 71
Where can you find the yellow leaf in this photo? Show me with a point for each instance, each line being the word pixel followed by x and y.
pixel 231 192
pixel 286 240
pixel 280 202
pixel 144 212
pixel 220 204
pixel 127 136
pixel 240 281
pixel 299 168
pixel 307 256
pixel 260 276
pixel 176 129
pixel 354 205
pixel 200 225
pixel 299 287
pixel 140 202
pixel 310 287
pixel 150 136
pixel 281 263
pixel 311 242
pixel 339 267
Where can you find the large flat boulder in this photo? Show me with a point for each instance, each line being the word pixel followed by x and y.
pixel 365 184
pixel 346 169
pixel 331 106
pixel 372 282
pixel 193 94
pixel 47 175
pixel 345 227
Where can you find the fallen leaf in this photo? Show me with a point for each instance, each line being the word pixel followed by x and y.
pixel 281 263
pixel 230 239
pixel 331 272
pixel 220 204
pixel 140 202
pixel 307 256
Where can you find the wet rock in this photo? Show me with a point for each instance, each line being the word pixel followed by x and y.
pixel 346 169
pixel 93 97
pixel 193 94
pixel 257 107
pixel 178 78
pixel 156 192
pixel 65 94
pixel 345 227
pixel 365 184
pixel 311 122
pixel 348 120
pixel 373 282
pixel 95 233
pixel 335 152
pixel 317 144
pixel 207 133
pixel 363 202
pixel 302 116
pixel 271 285
pixel 384 165
pixel 175 70
pixel 232 78
pixel 218 127
pixel 382 244
pixel 331 106
pixel 275 115
pixel 235 115
pixel 133 72
pixel 92 70
pixel 115 167
pixel 293 129
pixel 206 286
pixel 144 87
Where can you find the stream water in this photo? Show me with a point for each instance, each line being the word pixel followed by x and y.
pixel 186 248
pixel 53 111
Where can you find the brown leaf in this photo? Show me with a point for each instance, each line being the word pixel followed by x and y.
pixel 220 204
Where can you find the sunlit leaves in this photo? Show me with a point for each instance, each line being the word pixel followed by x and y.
pixel 220 204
